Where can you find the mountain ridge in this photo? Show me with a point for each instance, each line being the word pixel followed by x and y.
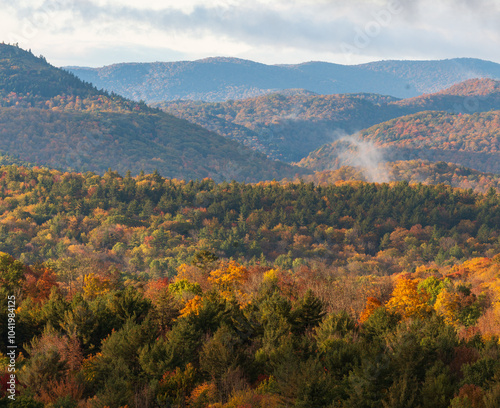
pixel 426 75
pixel 217 79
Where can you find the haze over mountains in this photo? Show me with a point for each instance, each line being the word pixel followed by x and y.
pixel 220 79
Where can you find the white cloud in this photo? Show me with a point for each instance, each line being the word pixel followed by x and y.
pixel 272 31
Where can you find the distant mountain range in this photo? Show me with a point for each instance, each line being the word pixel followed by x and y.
pixel 221 79
pixel 49 117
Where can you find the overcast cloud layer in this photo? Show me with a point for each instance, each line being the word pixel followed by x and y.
pixel 101 32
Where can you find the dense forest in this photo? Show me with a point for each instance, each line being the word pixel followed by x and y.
pixel 152 292
pixel 151 225
pixel 413 171
pixel 224 335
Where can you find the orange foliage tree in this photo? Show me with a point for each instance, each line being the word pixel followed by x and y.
pixel 39 282
pixel 372 304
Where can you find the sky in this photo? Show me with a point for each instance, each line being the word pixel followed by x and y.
pixel 102 32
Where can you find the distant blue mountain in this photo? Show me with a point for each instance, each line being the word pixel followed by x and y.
pixel 434 76
pixel 221 79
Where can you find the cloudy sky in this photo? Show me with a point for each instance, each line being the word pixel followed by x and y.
pixel 102 32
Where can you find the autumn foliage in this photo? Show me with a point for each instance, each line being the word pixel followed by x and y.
pixel 407 300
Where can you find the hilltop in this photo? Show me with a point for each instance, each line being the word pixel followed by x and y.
pixel 50 117
pixel 24 73
pixel 473 95
pixel 434 76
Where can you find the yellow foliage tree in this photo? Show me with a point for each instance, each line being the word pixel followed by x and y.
pixel 448 306
pixel 95 285
pixel 408 301
pixel 229 280
pixel 270 276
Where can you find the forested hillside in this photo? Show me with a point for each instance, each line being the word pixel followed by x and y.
pixel 199 294
pixel 286 127
pixel 49 117
pixel 289 126
pixel 21 72
pixel 474 95
pixel 467 140
pixel 149 225
pixel 220 79
pixel 433 76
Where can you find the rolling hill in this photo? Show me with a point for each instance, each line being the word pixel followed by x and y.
pixel 473 95
pixel 49 117
pixel 286 127
pixel 471 140
pixel 289 126
pixel 221 79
